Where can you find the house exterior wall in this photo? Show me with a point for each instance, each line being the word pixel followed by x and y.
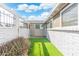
pixel 67 42
pixel 69 15
pixel 7 33
pixel 57 21
pixel 37 32
pixel 12 32
pixel 65 38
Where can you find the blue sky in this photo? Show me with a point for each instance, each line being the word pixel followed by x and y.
pixel 32 10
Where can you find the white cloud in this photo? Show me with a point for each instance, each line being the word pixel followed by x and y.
pixel 24 16
pixel 30 8
pixel 31 18
pixel 43 16
pixel 27 8
pixel 46 5
pixel 33 7
pixel 22 7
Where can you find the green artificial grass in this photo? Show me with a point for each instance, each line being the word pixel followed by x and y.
pixel 42 47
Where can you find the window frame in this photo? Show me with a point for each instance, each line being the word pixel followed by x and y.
pixel 62 19
pixel 49 23
pixel 10 17
pixel 36 26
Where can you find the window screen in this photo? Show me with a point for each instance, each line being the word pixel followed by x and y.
pixel 70 15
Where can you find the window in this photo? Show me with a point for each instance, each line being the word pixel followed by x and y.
pixel 45 26
pixel 41 26
pixel 6 19
pixel 70 15
pixel 23 25
pixel 49 24
pixel 37 26
pixel 0 19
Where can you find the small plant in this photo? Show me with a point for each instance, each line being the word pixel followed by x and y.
pixel 16 47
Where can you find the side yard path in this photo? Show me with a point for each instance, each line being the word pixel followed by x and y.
pixel 42 47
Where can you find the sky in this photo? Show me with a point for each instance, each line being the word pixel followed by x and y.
pixel 32 11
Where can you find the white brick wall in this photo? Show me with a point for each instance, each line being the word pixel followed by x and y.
pixel 66 42
pixel 7 34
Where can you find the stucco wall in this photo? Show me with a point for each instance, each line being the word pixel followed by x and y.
pixel 66 41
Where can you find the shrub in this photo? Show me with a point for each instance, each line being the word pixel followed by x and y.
pixel 16 47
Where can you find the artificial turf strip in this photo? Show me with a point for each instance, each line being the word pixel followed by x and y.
pixel 37 49
pixel 43 47
pixel 41 50
pixel 52 50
